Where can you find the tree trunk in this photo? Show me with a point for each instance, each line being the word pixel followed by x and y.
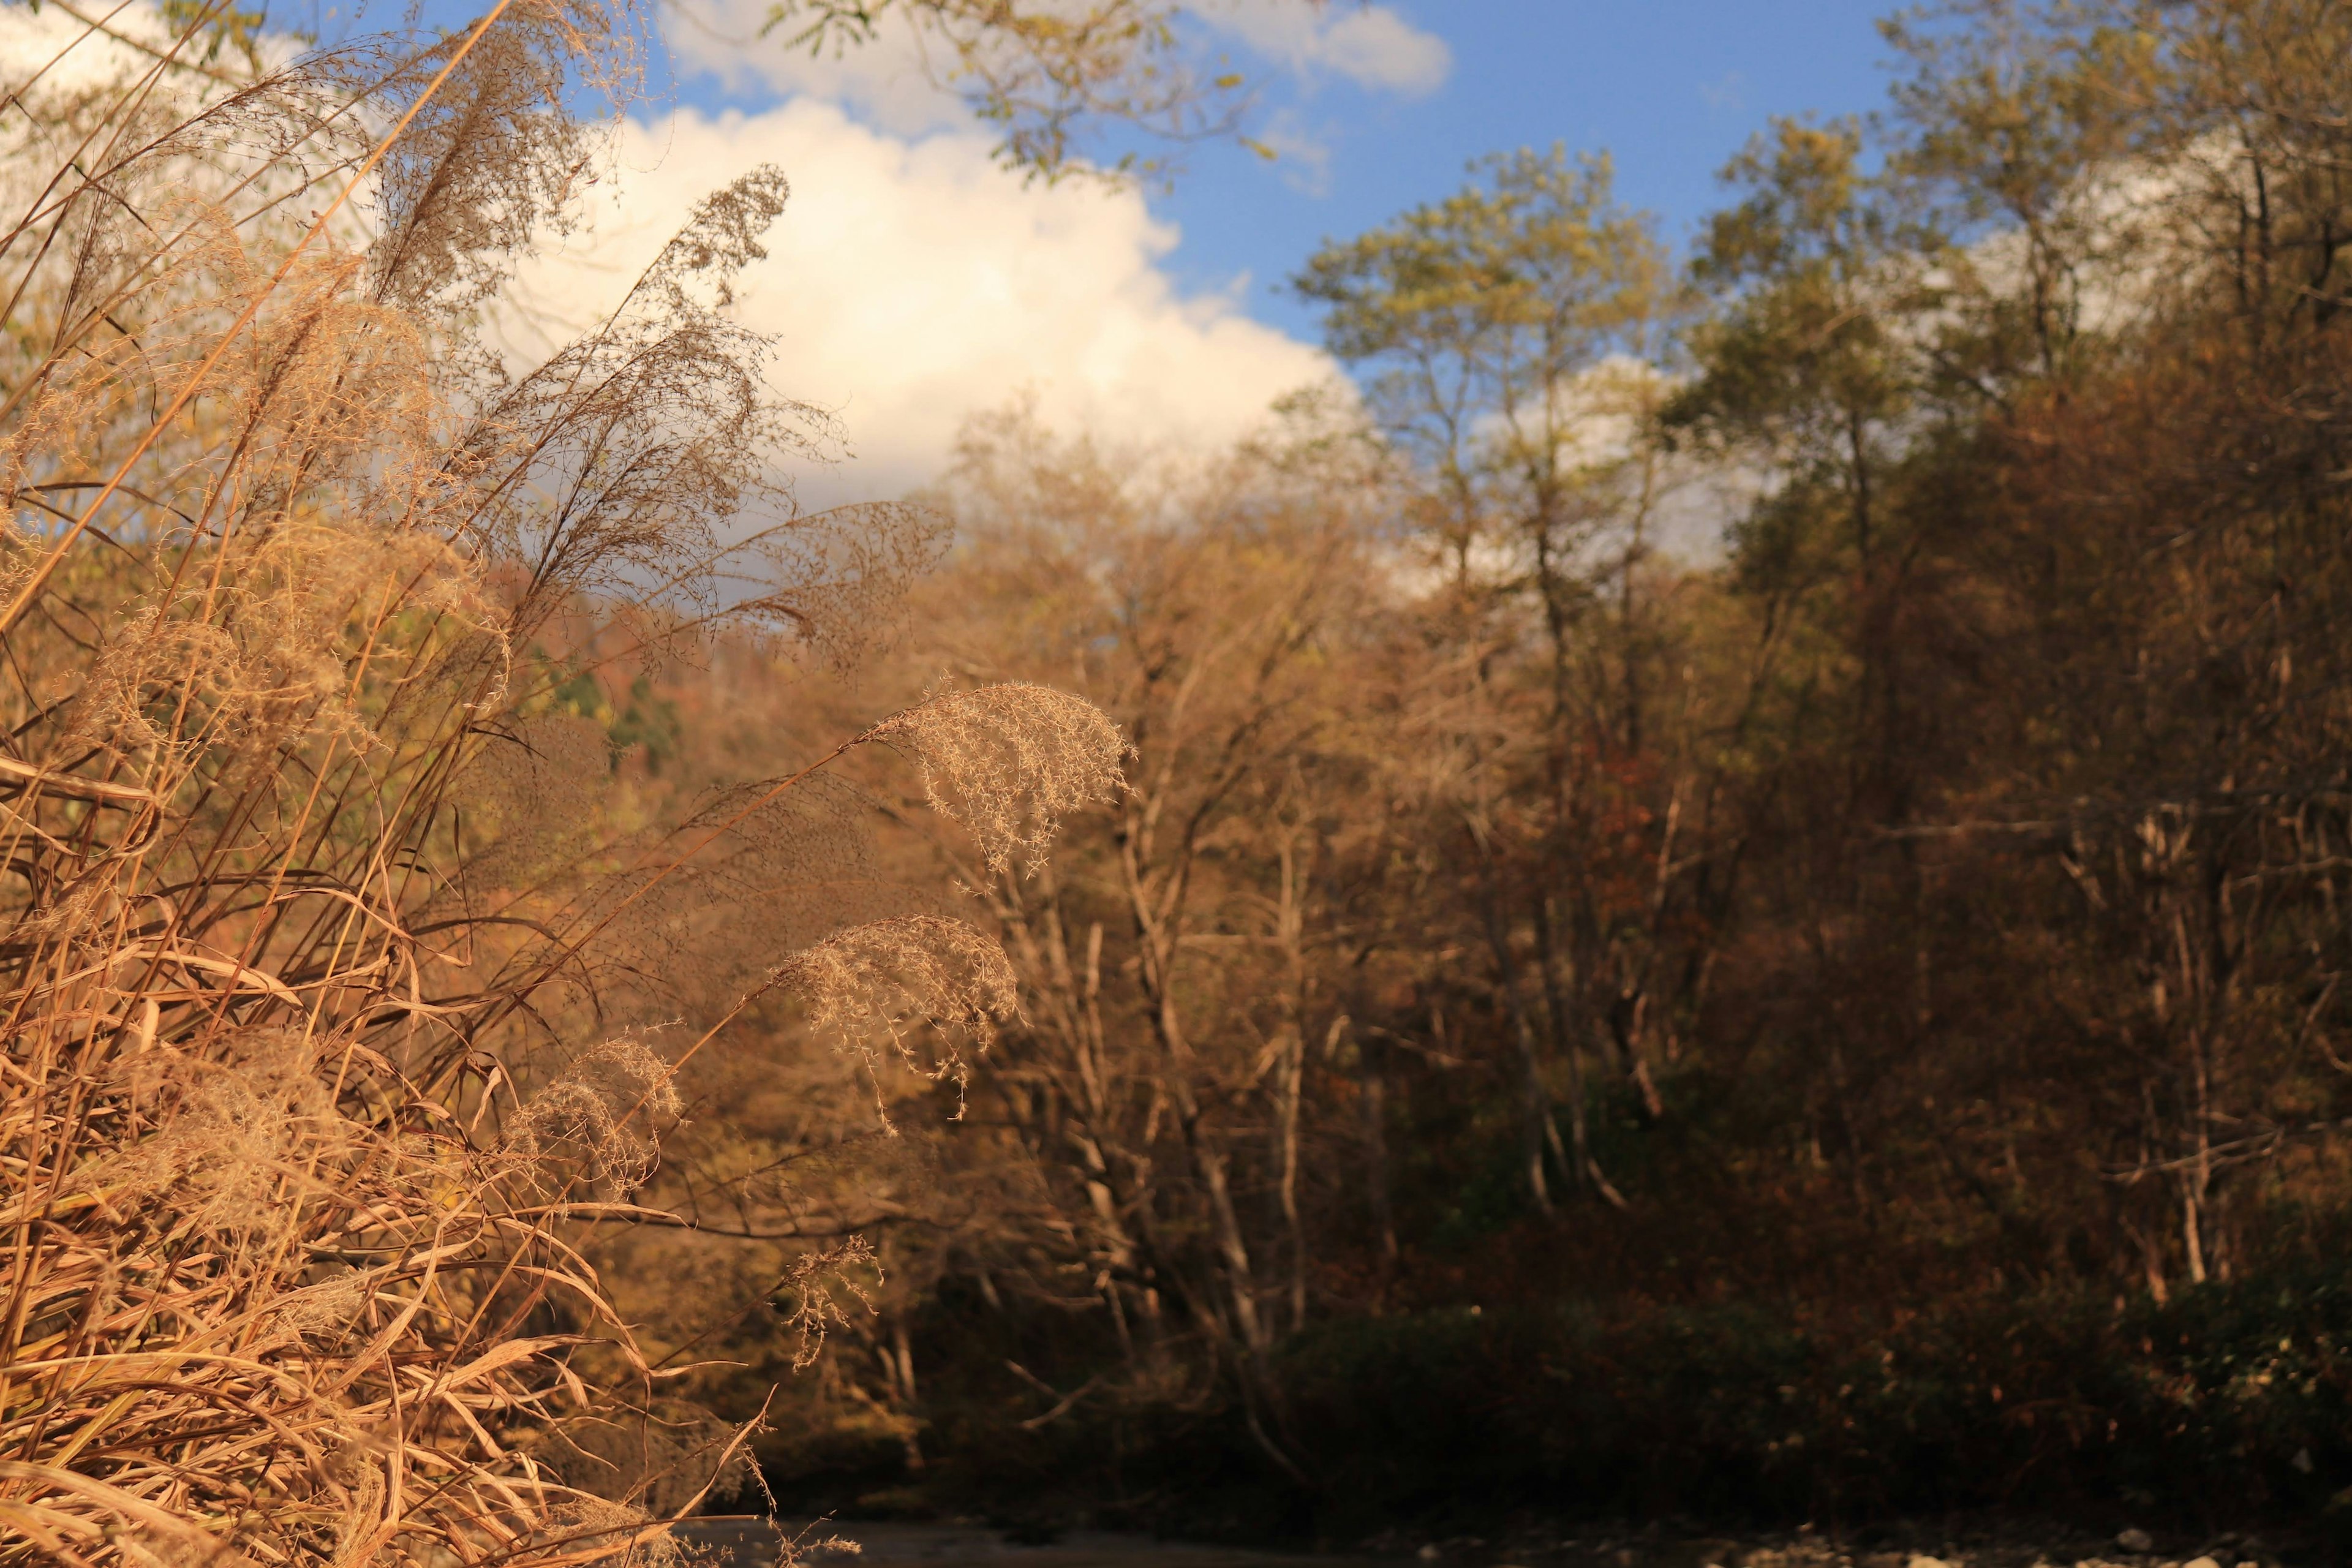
pixel 1374 1081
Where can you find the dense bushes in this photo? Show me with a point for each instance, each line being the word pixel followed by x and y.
pixel 2217 1401
pixel 2228 1404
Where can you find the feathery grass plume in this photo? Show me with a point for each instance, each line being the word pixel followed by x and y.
pixel 1008 761
pixel 874 986
pixel 838 581
pixel 582 1129
pixel 658 1459
pixel 325 1311
pixel 246 1128
pixel 767 873
pixel 592 1529
pixel 819 1285
pixel 526 802
pixel 305 894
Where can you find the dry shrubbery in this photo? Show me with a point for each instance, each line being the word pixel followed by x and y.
pixel 1854 1024
pixel 323 945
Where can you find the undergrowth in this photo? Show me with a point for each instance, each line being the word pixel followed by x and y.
pixel 333 969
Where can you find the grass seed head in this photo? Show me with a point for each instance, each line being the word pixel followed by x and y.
pixel 1008 762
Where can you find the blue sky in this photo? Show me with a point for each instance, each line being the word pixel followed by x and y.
pixel 912 284
pixel 1671 88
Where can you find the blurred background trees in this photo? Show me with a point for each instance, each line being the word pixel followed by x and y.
pixel 1722 896
pixel 1570 1014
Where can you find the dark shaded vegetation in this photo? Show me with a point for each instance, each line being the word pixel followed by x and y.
pixel 2218 1408
pixel 1558 1023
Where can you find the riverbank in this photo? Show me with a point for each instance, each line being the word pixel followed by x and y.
pixel 1975 1543
pixel 2226 1409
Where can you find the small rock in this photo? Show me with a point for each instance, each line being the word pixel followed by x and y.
pixel 1924 1562
pixel 2201 1563
pixel 1429 1554
pixel 2136 1540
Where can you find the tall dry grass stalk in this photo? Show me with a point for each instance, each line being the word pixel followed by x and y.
pixel 312 920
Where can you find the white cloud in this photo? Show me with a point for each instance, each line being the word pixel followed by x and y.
pixel 887 82
pixel 1369 45
pixel 912 283
pixel 65 56
pixel 50 54
pixel 1302 156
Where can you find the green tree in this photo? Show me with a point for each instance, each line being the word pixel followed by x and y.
pixel 1490 322
pixel 1511 333
pixel 1802 366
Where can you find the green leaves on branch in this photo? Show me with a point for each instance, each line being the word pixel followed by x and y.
pixel 1487 321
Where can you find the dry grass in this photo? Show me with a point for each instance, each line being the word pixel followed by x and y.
pixel 1008 761
pixel 302 948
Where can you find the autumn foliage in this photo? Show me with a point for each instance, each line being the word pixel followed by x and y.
pixel 1717 888
pixel 342 979
pixel 1718 828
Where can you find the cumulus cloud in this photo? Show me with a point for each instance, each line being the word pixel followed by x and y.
pixel 912 283
pixel 1302 156
pixel 50 51
pixel 1369 45
pixel 891 82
